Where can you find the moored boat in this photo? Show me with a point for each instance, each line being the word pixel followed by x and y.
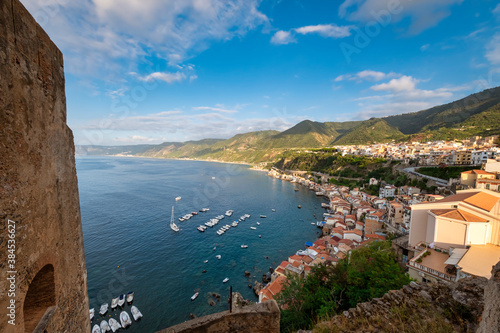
pixel 173 226
pixel 96 329
pixel 121 300
pixel 253 228
pixel 104 326
pixel 103 309
pixel 178 198
pixel 114 302
pixel 125 319
pixel 258 223
pixel 114 324
pixel 229 212
pixel 91 313
pixel 225 280
pixel 135 313
pixel 244 246
pixel 130 297
pixel 195 296
pixel 218 256
pixel 263 216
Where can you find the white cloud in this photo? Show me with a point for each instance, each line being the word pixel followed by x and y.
pixel 496 10
pixel 101 38
pixel 366 75
pixel 216 109
pixel 171 126
pixel 493 50
pixel 424 47
pixel 326 30
pixel 164 76
pixel 422 14
pixel 283 37
pixel 404 83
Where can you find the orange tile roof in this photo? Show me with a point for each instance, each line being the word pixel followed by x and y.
pixel 374 236
pixel 457 214
pixel 295 257
pixel 284 263
pixel 478 199
pixel 307 259
pixel 354 231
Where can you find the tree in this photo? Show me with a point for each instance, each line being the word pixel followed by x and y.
pixel 368 272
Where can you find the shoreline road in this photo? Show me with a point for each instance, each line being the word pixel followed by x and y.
pixel 439 181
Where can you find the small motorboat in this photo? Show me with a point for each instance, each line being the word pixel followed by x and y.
pixel 135 313
pixel 130 297
pixel 218 256
pixel 103 309
pixel 206 261
pixel 260 236
pixel 96 329
pixel 194 213
pixel 178 198
pixel 258 223
pixel 195 296
pixel 125 319
pixel 121 300
pixel 114 302
pixel 273 210
pixel 91 313
pixel 225 280
pixel 263 216
pixel 244 246
pixel 299 206
pixel 204 271
pixel 114 324
pixel 104 326
pixel 253 228
pixel 181 219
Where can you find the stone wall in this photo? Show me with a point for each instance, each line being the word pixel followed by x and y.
pixel 38 185
pixel 491 314
pixel 257 318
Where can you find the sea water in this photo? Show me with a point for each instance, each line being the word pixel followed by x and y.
pixel 126 206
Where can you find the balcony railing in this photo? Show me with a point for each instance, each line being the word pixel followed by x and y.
pixel 431 271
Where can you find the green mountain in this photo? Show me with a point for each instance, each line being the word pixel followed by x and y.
pixel 477 114
pixel 305 134
pixel 370 131
pixel 448 115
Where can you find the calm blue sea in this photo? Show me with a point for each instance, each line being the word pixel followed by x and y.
pixel 126 206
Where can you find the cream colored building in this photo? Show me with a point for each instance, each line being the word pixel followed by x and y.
pixel 471 177
pixel 460 233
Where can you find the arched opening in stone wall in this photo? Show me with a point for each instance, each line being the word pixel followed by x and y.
pixel 40 297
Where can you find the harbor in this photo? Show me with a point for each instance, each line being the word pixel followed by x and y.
pixel 126 210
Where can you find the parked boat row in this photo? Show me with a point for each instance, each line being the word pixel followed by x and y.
pixel 114 325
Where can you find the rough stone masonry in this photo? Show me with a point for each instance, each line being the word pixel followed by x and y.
pixel 43 282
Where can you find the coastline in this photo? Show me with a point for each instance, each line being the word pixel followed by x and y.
pixel 175 159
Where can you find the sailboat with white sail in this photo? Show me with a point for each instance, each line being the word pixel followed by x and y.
pixel 173 226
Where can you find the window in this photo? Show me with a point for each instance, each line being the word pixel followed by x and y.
pixel 39 298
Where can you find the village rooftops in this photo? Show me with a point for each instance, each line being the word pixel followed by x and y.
pixel 457 214
pixel 478 199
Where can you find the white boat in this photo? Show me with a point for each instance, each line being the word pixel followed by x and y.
pixel 218 256
pixel 104 326
pixel 234 224
pixel 130 297
pixel 206 261
pixel 203 210
pixel 91 313
pixel 258 223
pixel 195 296
pixel 200 229
pixel 103 309
pixel 135 313
pixel 260 236
pixel 125 319
pixel 225 280
pixel 173 226
pixel 229 212
pixel 263 216
pixel 253 228
pixel 181 219
pixel 96 329
pixel 114 302
pixel 178 198
pixel 121 300
pixel 273 210
pixel 114 324
pixel 244 246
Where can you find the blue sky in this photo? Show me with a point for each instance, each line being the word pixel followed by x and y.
pixel 150 71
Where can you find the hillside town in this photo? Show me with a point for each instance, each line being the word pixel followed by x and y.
pixel 472 151
pixel 435 237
